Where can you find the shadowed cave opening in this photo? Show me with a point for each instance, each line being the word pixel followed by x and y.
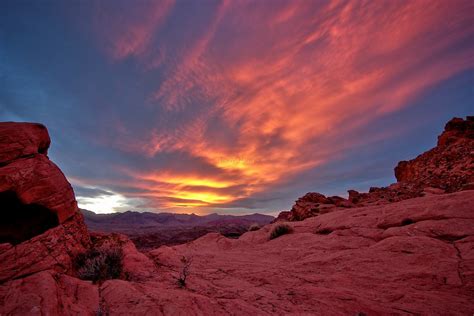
pixel 20 222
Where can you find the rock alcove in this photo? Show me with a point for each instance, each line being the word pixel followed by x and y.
pixel 20 222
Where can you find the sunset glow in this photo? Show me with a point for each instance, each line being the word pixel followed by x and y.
pixel 216 105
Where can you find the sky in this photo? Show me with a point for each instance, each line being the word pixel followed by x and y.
pixel 235 106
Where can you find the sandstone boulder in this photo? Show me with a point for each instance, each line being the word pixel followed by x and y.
pixel 34 194
pixel 311 204
pixel 40 226
pixel 22 140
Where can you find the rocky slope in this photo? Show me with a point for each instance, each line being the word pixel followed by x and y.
pixel 413 256
pixel 151 230
pixel 449 167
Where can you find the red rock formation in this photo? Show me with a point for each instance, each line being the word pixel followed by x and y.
pixel 313 204
pixel 20 140
pixel 38 210
pixel 29 178
pixel 54 249
pixel 283 216
pixel 449 167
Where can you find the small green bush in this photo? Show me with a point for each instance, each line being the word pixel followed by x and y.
pixel 99 264
pixel 254 227
pixel 279 230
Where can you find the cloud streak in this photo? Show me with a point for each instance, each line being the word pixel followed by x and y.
pixel 126 30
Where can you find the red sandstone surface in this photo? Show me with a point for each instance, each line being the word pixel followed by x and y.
pixel 402 250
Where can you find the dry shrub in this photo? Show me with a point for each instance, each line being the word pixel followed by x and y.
pixel 254 227
pixel 324 231
pixel 99 264
pixel 184 273
pixel 280 230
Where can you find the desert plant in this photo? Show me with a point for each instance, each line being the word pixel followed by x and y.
pixel 324 231
pixel 184 273
pixel 279 230
pixel 254 227
pixel 99 264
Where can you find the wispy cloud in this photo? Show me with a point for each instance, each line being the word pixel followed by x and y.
pixel 129 30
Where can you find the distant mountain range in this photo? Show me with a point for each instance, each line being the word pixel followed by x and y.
pixel 150 230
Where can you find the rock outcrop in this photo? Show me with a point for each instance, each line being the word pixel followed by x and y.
pixel 40 226
pixel 20 140
pixel 313 204
pixel 34 194
pixel 55 249
pixel 449 167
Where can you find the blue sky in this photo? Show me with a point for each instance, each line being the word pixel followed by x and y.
pixel 234 107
